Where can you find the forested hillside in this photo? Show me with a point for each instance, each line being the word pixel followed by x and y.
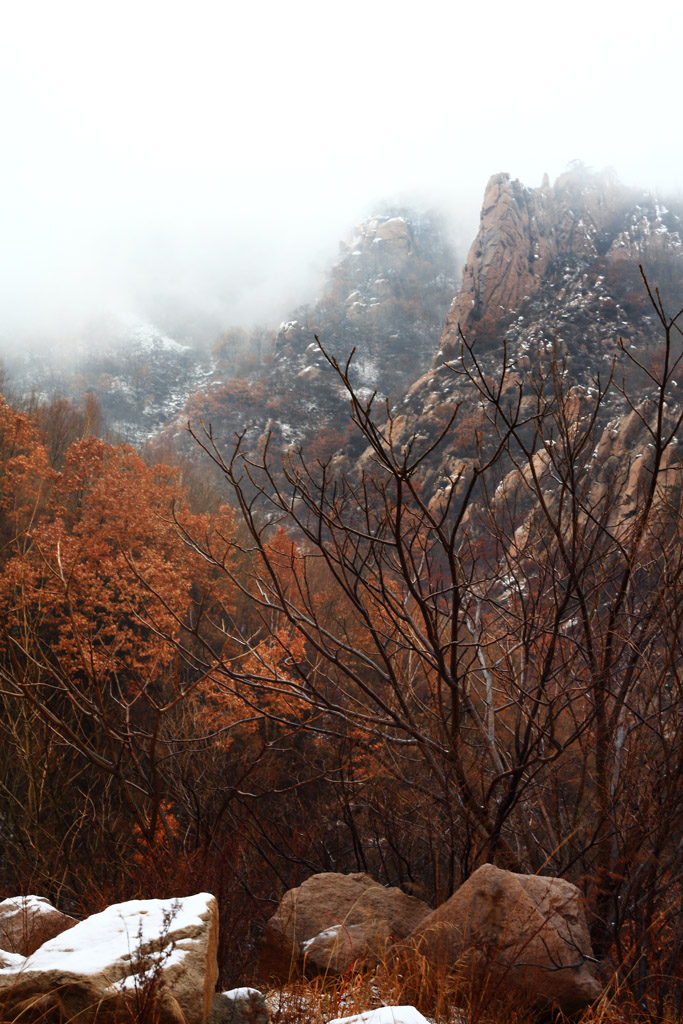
pixel 139 375
pixel 385 299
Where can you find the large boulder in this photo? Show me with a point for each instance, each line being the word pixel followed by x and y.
pixel 145 959
pixel 332 921
pixel 26 922
pixel 527 932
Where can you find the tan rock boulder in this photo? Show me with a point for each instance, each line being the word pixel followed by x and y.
pixel 334 920
pixel 26 922
pixel 524 931
pixel 123 961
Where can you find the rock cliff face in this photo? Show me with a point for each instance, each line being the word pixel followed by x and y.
pixel 556 243
pixel 522 233
pixel 552 275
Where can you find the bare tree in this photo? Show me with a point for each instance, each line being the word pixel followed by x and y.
pixel 511 651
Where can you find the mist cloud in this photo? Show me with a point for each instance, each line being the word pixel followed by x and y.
pixel 168 157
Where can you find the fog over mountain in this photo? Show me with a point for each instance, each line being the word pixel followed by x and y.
pixel 197 164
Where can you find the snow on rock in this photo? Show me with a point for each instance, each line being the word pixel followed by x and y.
pixel 28 921
pixel 116 957
pixel 385 1015
pixel 329 933
pixel 93 944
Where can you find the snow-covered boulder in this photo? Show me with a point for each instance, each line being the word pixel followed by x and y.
pixel 26 922
pixel 121 962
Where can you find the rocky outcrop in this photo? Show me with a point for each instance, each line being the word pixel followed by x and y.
pixel 26 922
pixel 332 921
pixel 154 957
pixel 523 232
pixel 552 278
pixel 525 931
pixel 386 297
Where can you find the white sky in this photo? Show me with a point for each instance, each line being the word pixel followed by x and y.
pixel 211 153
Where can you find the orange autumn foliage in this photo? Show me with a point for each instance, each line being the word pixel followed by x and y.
pixel 25 474
pixel 100 563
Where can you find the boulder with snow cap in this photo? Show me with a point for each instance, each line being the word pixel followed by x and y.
pixel 333 920
pixel 26 922
pixel 143 957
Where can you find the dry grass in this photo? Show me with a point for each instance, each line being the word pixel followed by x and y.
pixel 442 1000
pixel 442 997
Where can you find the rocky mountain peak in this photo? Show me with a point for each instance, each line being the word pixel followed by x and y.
pixel 525 234
pixel 553 278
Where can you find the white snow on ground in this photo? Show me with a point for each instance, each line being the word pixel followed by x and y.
pixel 242 993
pixel 306 1006
pixel 385 1015
pixel 118 932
